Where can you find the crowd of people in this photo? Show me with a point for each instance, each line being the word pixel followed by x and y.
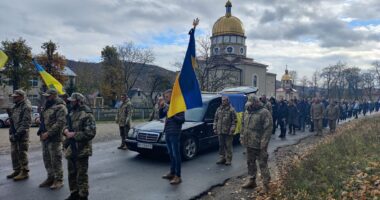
pixel 67 127
pixel 296 115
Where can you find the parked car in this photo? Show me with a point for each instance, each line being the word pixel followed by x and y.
pixel 3 120
pixel 197 131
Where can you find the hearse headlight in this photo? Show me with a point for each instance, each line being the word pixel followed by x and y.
pixel 163 138
pixel 132 133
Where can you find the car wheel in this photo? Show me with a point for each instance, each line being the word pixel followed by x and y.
pixel 189 148
pixel 2 124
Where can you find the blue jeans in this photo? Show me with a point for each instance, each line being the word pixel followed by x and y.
pixel 173 144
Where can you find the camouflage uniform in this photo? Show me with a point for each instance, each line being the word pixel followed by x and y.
pixel 22 118
pixel 83 124
pixel 224 125
pixel 268 106
pixel 155 115
pixel 316 113
pixel 55 120
pixel 257 128
pixel 332 112
pixel 123 119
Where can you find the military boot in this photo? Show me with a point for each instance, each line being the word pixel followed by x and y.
pixel 168 176
pixel 47 183
pixel 250 184
pixel 228 162
pixel 21 176
pixel 176 180
pixel 56 185
pixel 14 174
pixel 73 196
pixel 221 161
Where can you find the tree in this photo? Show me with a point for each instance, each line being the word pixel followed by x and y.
pixel 132 59
pixel 112 80
pixel 376 69
pixel 329 74
pixel 212 76
pixel 304 83
pixel 19 67
pixel 368 83
pixel 315 80
pixel 352 76
pixel 54 62
pixel 157 84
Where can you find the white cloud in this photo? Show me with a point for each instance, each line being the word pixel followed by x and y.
pixel 276 29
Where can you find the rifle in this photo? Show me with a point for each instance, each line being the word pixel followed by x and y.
pixel 71 141
pixel 12 132
pixel 42 128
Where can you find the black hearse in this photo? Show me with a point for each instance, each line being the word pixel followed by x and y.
pixel 197 131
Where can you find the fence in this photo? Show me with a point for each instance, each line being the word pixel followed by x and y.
pixel 109 114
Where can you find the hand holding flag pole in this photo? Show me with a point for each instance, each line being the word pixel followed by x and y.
pixel 195 22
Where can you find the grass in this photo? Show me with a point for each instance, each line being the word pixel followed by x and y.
pixel 344 166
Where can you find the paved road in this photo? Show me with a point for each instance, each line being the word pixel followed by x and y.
pixel 116 174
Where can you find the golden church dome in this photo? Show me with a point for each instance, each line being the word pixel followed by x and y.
pixel 228 24
pixel 286 76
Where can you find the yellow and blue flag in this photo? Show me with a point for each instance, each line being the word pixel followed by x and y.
pixel 186 93
pixel 3 59
pixel 49 80
pixel 237 101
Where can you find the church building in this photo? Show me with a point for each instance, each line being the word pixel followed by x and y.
pixel 228 64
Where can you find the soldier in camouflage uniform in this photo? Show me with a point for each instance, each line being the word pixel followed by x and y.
pixel 54 118
pixel 255 135
pixel 123 119
pixel 266 103
pixel 81 135
pixel 333 113
pixel 19 137
pixel 224 125
pixel 155 115
pixel 316 112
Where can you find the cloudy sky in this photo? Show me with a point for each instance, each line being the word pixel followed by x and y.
pixel 303 34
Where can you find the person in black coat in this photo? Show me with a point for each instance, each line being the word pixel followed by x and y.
pixel 302 108
pixel 292 117
pixel 274 113
pixel 281 117
pixel 172 130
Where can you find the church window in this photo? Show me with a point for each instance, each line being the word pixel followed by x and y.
pixel 239 40
pixel 254 81
pixel 226 39
pixel 216 50
pixel 230 50
pixel 233 39
pixel 242 51
pixel 220 39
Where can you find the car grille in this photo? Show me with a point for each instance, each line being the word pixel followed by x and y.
pixel 147 137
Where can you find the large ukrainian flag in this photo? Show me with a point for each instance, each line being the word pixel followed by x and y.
pixel 49 80
pixel 3 59
pixel 237 101
pixel 186 93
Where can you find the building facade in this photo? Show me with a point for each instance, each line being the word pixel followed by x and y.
pixel 228 64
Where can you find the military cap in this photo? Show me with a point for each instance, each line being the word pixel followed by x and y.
pixel 50 92
pixel 18 93
pixel 76 97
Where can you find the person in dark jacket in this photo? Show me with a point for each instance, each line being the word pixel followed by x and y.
pixel 302 108
pixel 292 117
pixel 274 113
pixel 282 115
pixel 172 130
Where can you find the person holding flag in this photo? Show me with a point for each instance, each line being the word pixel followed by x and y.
pixel 184 95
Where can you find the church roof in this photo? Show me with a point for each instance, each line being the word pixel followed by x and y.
pixel 228 24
